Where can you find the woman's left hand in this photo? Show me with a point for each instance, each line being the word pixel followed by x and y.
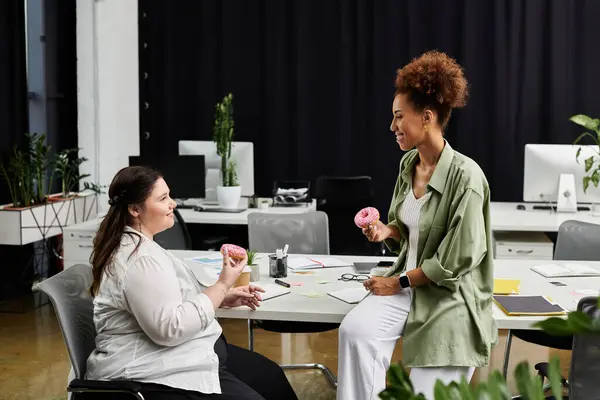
pixel 243 296
pixel 382 286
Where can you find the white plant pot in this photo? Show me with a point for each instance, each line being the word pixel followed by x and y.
pixel 229 196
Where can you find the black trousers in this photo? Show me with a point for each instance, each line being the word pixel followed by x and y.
pixel 243 374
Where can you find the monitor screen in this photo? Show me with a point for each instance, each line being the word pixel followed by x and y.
pixel 242 153
pixel 184 175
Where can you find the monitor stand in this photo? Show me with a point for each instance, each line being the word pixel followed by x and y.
pixel 567 200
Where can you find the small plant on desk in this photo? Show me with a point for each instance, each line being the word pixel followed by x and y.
pixel 252 257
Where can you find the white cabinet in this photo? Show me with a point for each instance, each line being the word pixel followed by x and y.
pixel 523 245
pixel 78 242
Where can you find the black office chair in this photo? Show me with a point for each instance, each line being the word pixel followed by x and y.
pixel 68 292
pixel 177 237
pixel 583 383
pixel 341 198
pixel 576 241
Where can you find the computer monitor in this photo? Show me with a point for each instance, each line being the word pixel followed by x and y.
pixel 242 153
pixel 544 163
pixel 180 173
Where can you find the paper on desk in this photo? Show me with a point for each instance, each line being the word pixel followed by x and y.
pixel 303 263
pixel 215 260
pixel 206 276
pixel 586 292
pixel 313 294
pixel 565 270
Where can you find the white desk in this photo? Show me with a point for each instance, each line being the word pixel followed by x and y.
pixel 296 307
pixel 506 217
pixel 236 218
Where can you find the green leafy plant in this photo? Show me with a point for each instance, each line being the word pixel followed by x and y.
pixel 27 172
pixel 223 138
pixel 94 187
pixel 67 169
pixel 17 176
pixel 252 257
pixel 400 387
pixel 42 165
pixel 592 163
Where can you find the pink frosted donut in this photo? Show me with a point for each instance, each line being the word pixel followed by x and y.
pixel 366 217
pixel 235 252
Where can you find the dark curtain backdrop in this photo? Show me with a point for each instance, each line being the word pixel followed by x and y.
pixel 313 80
pixel 13 81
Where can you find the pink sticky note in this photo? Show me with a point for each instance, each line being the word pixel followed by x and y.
pixel 296 283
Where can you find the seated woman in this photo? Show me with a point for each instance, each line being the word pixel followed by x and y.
pixel 155 323
pixel 438 295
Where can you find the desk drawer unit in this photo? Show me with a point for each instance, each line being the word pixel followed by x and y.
pixel 77 248
pixel 532 245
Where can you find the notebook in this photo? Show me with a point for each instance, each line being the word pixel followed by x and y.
pixel 352 295
pixel 506 286
pixel 564 270
pixel 528 305
pixel 304 263
pixel 273 290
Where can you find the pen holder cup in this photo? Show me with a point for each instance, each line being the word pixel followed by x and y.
pixel 277 266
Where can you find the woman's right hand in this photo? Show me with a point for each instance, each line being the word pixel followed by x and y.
pixel 378 232
pixel 231 270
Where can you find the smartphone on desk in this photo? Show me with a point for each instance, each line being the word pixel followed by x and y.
pixel 385 263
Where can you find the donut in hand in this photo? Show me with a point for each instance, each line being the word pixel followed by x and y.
pixel 235 252
pixel 367 217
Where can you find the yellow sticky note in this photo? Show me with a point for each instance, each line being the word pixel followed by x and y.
pixel 506 286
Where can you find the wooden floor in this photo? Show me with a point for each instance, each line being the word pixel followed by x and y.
pixel 34 363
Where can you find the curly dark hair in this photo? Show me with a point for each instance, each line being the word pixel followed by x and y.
pixel 435 81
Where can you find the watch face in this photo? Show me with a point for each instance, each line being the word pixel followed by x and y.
pixel 404 282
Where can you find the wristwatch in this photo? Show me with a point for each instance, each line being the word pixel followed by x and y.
pixel 404 281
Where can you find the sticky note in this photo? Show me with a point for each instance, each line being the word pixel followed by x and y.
pixel 304 273
pixel 296 283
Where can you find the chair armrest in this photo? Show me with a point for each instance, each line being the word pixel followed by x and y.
pixel 542 369
pixel 86 384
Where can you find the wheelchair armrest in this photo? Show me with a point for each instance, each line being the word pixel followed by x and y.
pixel 542 369
pixel 85 384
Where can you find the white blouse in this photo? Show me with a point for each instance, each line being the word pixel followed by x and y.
pixel 153 322
pixel 410 216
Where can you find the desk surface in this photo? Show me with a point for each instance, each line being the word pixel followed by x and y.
pixel 236 218
pixel 506 217
pixel 297 307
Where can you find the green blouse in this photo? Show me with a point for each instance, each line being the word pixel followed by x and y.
pixel 450 321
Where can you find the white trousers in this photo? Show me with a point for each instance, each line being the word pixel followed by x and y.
pixel 367 338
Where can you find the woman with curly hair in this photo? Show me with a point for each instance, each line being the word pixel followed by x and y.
pixel 438 294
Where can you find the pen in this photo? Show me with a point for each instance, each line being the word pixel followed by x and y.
pixel 282 283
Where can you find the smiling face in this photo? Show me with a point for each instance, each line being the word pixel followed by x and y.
pixel 408 124
pixel 156 213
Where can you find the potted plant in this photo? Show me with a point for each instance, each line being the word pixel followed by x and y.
pixel 26 173
pixel 29 174
pixel 67 169
pixel 252 259
pixel 229 192
pixel 592 162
